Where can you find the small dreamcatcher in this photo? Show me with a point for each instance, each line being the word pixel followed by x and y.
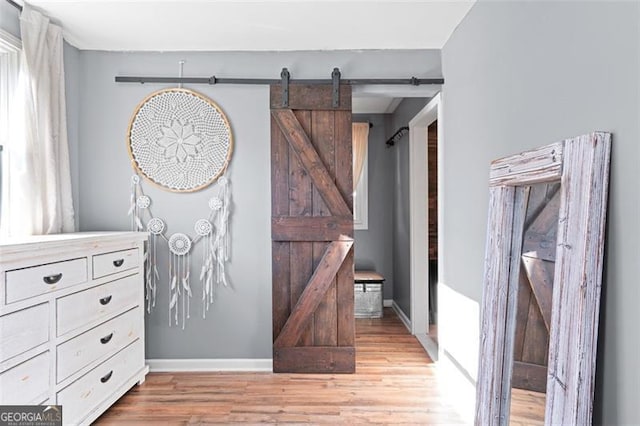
pixel 181 141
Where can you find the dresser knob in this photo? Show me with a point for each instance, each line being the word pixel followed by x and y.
pixel 105 379
pixel 52 279
pixel 118 263
pixel 105 300
pixel 104 340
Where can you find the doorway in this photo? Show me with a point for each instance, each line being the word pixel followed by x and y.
pixel 425 143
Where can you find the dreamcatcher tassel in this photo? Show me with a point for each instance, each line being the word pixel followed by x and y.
pixel 224 220
pixel 184 294
pixel 221 246
pixel 155 226
pixel 186 270
pixel 152 274
pixel 180 264
pixel 149 292
pixel 209 274
pixel 205 273
pixel 173 290
pixel 156 277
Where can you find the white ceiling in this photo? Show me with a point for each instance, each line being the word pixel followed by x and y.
pixel 240 25
pixel 216 25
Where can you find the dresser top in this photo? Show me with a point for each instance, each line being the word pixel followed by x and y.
pixel 37 242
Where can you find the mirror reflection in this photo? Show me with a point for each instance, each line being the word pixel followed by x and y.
pixel 533 314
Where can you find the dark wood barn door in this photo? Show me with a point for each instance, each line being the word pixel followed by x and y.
pixel 537 266
pixel 312 231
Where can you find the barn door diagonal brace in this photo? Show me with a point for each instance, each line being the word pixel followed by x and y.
pixel 295 134
pixel 313 293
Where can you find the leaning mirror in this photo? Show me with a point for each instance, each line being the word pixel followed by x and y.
pixel 542 280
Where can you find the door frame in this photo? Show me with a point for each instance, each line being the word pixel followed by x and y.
pixel 419 219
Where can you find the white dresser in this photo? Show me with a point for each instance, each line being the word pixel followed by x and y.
pixel 72 321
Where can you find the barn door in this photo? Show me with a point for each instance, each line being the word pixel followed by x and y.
pixel 537 266
pixel 312 231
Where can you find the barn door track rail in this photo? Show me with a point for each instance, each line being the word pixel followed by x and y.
pixel 285 79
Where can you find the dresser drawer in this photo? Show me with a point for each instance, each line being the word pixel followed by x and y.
pixel 83 395
pixel 23 330
pixel 117 261
pixel 29 282
pixel 106 338
pixel 101 302
pixel 26 383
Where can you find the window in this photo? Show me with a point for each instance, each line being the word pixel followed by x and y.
pixel 360 132
pixel 9 67
pixel 361 199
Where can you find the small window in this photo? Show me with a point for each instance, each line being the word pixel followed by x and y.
pixel 360 175
pixel 361 199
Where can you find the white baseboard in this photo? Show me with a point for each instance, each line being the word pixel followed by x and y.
pixel 456 386
pixel 226 364
pixel 387 303
pixel 429 345
pixel 403 317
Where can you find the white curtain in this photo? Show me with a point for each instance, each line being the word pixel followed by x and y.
pixel 38 198
pixel 360 136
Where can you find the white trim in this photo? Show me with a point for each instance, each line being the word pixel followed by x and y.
pixel 429 345
pixel 457 388
pixel 224 364
pixel 403 317
pixel 9 42
pixel 419 214
pixel 361 196
pixel 440 149
pixel 387 303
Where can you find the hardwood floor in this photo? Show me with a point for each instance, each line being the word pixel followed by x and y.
pixel 527 408
pixel 395 383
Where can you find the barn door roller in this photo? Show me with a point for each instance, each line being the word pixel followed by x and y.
pixel 335 80
pixel 284 75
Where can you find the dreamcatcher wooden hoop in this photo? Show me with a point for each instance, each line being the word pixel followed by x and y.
pixel 179 140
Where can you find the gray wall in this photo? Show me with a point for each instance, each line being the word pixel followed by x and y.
pixel 239 324
pixel 407 109
pixel 9 18
pixel 373 246
pixel 524 74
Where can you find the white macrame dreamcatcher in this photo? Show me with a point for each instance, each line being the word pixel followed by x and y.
pixel 182 141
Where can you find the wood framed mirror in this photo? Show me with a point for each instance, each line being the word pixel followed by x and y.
pixel 542 281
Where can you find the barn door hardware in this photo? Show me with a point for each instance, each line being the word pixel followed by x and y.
pixel 397 135
pixel 335 81
pixel 284 75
